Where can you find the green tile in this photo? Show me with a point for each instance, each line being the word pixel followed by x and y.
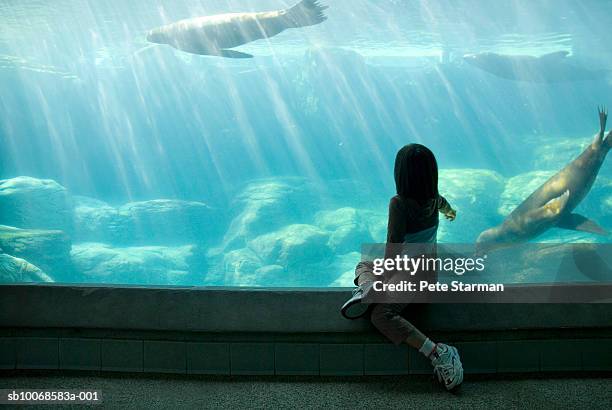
pixel 518 356
pixel 419 364
pixel 208 358
pixel 341 359
pixel 37 353
pixel 165 357
pixel 596 354
pixel 8 354
pixel 252 358
pixel 6 332
pixel 80 354
pixel 122 355
pixel 297 358
pixel 560 355
pixel 478 357
pixel 381 359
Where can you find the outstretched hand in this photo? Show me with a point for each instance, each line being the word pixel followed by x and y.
pixel 603 117
pixel 451 215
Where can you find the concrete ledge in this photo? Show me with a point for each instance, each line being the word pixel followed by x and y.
pixel 280 332
pixel 259 310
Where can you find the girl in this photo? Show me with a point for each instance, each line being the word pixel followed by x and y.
pixel 413 218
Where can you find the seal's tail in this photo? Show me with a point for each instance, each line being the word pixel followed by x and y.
pixel 306 13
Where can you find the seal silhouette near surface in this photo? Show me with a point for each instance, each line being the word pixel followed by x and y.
pixel 557 67
pixel 216 35
pixel 551 205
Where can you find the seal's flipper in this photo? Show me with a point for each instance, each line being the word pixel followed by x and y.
pixel 234 54
pixel 305 13
pixel 556 205
pixel 578 222
pixel 557 55
pixel 603 117
pixel 549 210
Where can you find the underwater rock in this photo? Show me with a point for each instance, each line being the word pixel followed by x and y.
pixel 563 263
pixel 266 205
pixel 160 221
pixel 16 270
pixel 242 267
pixel 553 261
pixel 343 268
pixel 49 250
pixel 348 226
pixel 298 248
pixel 170 221
pixel 554 153
pixel 27 202
pixel 550 153
pixel 148 265
pixel 239 267
pixel 474 193
pixel 377 224
pixel 271 275
pixel 97 221
pixel 518 188
pixel 353 192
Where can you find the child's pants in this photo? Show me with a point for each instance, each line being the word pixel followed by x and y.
pixel 386 317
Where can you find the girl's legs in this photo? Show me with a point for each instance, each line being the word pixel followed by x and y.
pixel 388 319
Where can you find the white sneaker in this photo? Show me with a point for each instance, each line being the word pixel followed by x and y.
pixel 447 365
pixel 354 308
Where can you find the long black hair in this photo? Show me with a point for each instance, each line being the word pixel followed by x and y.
pixel 416 173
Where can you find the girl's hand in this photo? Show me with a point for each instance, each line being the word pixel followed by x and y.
pixel 451 215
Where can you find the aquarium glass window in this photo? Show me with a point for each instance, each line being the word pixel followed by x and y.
pixel 155 142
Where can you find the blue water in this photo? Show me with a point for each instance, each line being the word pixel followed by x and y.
pixel 162 167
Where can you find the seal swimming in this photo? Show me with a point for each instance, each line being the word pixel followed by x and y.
pixel 551 205
pixel 550 68
pixel 215 35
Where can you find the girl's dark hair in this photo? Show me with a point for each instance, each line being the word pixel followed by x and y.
pixel 416 173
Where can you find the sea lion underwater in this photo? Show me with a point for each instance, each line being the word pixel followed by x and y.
pixel 551 205
pixel 215 35
pixel 550 68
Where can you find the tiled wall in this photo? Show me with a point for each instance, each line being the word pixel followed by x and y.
pixel 294 358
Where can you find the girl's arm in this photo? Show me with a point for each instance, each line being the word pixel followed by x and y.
pixel 396 228
pixel 445 208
